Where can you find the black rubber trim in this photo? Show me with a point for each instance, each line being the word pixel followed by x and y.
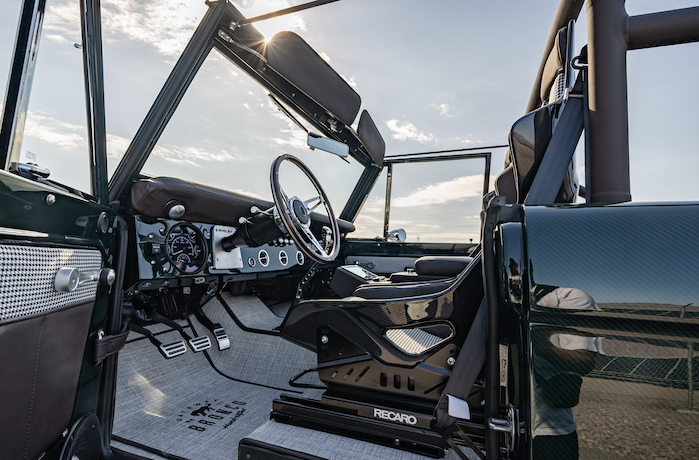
pixel 241 325
pixel 223 374
pixel 276 449
pixel 143 447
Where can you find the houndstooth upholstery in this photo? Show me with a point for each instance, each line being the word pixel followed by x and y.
pixel 557 88
pixel 412 341
pixel 27 275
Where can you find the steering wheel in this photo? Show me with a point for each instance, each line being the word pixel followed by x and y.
pixel 295 214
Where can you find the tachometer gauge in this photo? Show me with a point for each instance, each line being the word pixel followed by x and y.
pixel 186 248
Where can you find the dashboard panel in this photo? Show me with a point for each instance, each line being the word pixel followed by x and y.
pixel 177 253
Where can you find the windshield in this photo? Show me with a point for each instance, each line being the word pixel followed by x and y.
pixel 227 131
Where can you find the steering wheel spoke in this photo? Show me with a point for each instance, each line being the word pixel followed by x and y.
pixel 319 200
pixel 313 241
pixel 296 214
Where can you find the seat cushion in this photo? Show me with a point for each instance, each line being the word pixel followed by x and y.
pixel 443 266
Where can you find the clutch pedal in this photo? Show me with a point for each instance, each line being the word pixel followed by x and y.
pixel 222 338
pixel 172 349
pixel 201 343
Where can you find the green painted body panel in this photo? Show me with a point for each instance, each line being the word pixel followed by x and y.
pixel 610 329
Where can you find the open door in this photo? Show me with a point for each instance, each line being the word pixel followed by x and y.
pixel 56 257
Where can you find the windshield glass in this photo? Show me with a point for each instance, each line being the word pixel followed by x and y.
pixel 227 131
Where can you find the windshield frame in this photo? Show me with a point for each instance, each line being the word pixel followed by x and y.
pixel 241 46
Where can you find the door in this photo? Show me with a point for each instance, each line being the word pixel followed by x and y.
pixel 612 331
pixel 56 242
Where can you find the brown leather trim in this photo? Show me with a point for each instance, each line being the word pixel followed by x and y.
pixel 371 138
pixel 40 358
pixel 203 203
pixel 296 61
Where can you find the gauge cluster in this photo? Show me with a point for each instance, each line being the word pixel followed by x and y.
pixel 169 250
pixel 185 248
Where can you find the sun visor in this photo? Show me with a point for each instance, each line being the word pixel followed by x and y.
pixel 295 60
pixel 371 138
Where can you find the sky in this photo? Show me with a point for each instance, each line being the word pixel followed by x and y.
pixel 436 75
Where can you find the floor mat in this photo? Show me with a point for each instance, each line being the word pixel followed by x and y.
pixel 258 358
pixel 251 312
pixel 332 446
pixel 182 406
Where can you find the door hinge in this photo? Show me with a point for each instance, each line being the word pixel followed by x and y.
pixel 510 425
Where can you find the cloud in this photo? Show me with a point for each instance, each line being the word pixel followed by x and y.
pixel 350 81
pixel 116 146
pixel 62 21
pixel 47 129
pixel 194 156
pixel 442 192
pixel 443 109
pixel 163 24
pixel 407 131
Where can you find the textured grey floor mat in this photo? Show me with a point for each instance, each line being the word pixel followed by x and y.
pixel 252 312
pixel 257 358
pixel 182 406
pixel 332 446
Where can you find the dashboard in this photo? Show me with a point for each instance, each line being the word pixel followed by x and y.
pixel 178 253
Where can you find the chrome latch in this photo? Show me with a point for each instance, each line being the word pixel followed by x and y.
pixel 510 426
pixel 68 279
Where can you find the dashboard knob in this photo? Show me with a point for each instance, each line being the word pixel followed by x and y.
pixel 174 209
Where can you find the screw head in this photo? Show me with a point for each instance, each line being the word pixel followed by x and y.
pixel 451 361
pixel 50 199
pixel 324 339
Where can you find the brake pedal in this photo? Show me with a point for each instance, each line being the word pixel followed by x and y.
pixel 172 349
pixel 201 343
pixel 222 338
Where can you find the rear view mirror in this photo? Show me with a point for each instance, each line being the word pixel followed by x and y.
pixel 316 141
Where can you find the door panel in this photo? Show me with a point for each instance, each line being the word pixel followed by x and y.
pixel 45 352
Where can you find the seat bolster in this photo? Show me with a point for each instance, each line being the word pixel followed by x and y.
pixel 443 266
pixel 390 291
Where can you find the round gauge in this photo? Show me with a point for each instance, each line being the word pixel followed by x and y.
pixel 186 248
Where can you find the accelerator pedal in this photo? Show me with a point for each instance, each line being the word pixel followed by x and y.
pixel 219 332
pixel 222 338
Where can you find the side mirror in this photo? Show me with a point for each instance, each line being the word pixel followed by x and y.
pixel 316 141
pixel 397 236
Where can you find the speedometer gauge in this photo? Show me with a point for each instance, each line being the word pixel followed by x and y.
pixel 186 248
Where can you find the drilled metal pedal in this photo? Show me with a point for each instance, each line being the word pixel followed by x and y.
pixel 222 338
pixel 172 349
pixel 201 343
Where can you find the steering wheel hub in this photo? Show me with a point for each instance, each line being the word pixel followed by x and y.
pixel 300 211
